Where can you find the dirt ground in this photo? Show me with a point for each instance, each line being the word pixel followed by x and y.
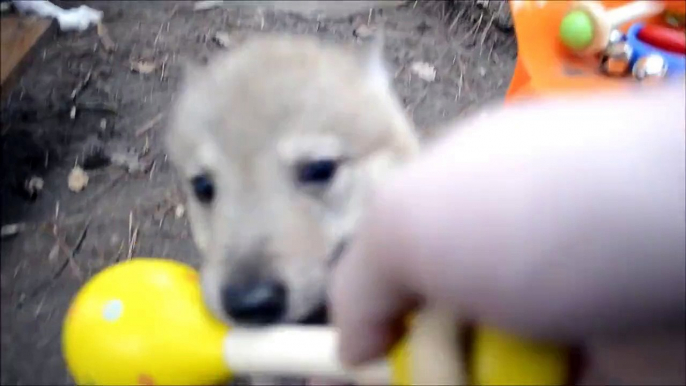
pixel 82 104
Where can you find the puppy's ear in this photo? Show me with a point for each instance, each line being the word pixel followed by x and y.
pixel 372 55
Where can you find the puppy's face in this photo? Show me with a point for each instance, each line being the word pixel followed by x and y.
pixel 278 144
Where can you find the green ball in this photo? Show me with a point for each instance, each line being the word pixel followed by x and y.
pixel 576 30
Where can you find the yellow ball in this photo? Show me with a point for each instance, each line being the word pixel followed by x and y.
pixel 502 359
pixel 143 322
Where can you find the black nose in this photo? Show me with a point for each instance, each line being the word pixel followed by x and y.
pixel 261 302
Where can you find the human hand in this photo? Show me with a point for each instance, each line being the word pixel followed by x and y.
pixel 560 220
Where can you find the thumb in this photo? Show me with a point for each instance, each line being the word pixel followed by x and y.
pixel 368 300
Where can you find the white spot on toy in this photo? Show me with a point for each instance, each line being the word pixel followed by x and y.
pixel 112 310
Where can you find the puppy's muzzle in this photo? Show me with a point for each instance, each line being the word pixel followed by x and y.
pixel 255 303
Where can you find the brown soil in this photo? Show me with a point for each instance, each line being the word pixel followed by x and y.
pixel 69 236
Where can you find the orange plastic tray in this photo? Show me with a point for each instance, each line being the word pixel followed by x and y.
pixel 544 66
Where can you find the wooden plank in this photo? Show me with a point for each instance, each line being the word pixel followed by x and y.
pixel 20 36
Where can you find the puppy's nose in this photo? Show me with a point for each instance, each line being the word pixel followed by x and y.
pixel 260 302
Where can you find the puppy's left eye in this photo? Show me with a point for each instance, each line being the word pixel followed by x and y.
pixel 203 188
pixel 316 172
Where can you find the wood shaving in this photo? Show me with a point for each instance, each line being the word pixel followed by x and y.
pixel 143 67
pixel 12 229
pixel 424 71
pixel 179 211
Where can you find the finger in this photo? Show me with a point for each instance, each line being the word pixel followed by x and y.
pixel 546 230
pixel 368 298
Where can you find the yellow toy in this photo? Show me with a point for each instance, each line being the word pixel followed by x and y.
pixel 143 322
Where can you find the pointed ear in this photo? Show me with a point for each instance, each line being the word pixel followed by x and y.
pixel 372 56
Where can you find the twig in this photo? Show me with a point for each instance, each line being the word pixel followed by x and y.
pixel 69 261
pixel 152 169
pixel 130 225
pixel 98 106
pixel 454 23
pixel 133 236
pixel 149 125
pixel 164 67
pixel 82 237
pixel 81 85
pixel 121 248
pixel 105 38
pixel 483 34
pixel 472 31
pixel 71 253
pixel 104 188
pixel 157 37
pixel 132 243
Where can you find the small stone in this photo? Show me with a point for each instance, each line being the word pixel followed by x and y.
pixel 77 180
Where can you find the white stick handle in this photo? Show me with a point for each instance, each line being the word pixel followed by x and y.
pixel 604 21
pixel 296 351
pixel 633 11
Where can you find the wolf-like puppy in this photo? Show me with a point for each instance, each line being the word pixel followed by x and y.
pixel 278 144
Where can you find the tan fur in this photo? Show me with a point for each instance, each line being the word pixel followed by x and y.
pixel 247 119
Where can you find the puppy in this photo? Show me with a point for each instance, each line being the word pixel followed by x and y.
pixel 278 144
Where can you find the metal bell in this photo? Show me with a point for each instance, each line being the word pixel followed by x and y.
pixel 650 67
pixel 616 59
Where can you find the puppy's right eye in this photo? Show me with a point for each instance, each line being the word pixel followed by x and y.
pixel 203 188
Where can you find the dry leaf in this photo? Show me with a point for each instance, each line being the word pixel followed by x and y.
pixel 143 67
pixel 77 180
pixel 105 38
pixel 223 39
pixel 424 71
